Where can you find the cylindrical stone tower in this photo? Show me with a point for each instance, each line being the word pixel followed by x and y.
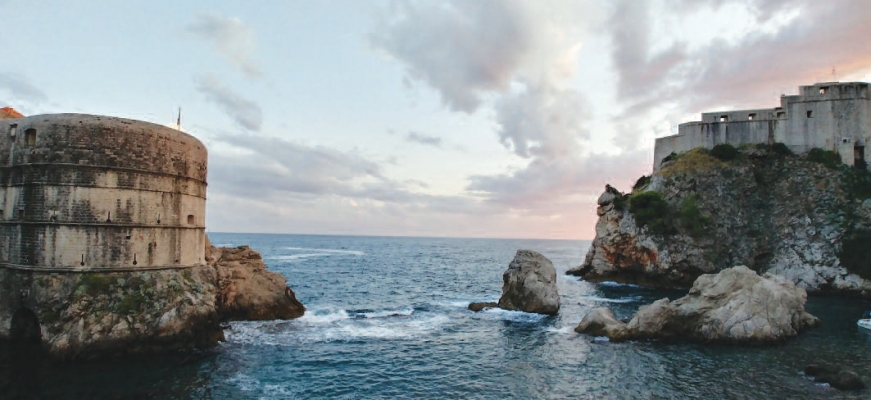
pixel 85 192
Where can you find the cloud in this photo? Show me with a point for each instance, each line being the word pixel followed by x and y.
pixel 230 37
pixel 246 113
pixel 420 138
pixel 746 72
pixel 20 88
pixel 468 49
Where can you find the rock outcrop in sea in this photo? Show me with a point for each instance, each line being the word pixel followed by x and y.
pixel 99 315
pixel 734 306
pixel 807 218
pixel 529 284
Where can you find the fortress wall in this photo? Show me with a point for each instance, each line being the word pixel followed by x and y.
pixel 707 135
pixel 104 190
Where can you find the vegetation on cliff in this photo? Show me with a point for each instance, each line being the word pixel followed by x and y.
pixel 807 217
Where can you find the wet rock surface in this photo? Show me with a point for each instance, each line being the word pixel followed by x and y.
pixel 837 377
pixel 734 306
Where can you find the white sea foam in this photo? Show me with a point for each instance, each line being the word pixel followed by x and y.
pixel 265 391
pixel 298 256
pixel 563 330
pixel 618 284
pixel 607 300
pixel 334 324
pixel 406 311
pixel 516 316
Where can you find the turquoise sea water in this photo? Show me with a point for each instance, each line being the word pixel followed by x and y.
pixel 387 318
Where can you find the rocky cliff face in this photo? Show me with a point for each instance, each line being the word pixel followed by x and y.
pixel 800 217
pixel 105 314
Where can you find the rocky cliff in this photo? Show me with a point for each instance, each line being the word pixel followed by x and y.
pixel 105 314
pixel 807 218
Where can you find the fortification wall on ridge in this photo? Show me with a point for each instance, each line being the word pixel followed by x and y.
pixel 832 116
pixel 82 192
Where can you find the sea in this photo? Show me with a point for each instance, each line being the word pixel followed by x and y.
pixel 387 318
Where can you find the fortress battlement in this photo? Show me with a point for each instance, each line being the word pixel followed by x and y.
pixel 831 115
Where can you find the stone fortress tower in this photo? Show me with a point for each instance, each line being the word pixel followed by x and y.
pixel 92 193
pixel 831 116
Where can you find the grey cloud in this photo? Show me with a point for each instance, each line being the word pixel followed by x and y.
pixel 230 37
pixel 542 121
pixel 420 138
pixel 21 88
pixel 460 48
pixel 246 113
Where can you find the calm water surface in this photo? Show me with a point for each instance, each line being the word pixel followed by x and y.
pixel 387 318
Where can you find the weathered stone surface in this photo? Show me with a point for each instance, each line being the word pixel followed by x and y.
pixel 779 214
pixel 529 284
pixel 98 315
pixel 837 377
pixel 482 305
pixel 246 290
pixel 733 306
pixel 601 322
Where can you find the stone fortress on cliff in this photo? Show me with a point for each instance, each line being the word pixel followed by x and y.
pixel 831 116
pixel 82 194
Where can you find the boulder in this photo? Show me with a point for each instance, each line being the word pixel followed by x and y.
pixel 529 284
pixel 601 322
pixel 482 305
pixel 733 306
pixel 836 377
pixel 246 290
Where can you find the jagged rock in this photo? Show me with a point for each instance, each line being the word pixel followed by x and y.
pixel 601 322
pixel 837 377
pixel 779 214
pixel 246 290
pixel 529 284
pixel 482 305
pixel 108 314
pixel 733 306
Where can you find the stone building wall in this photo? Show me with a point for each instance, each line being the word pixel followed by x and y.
pixel 81 192
pixel 832 116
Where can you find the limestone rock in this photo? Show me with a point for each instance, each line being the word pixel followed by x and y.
pixel 529 284
pixel 246 290
pixel 836 377
pixel 733 306
pixel 482 305
pixel 601 322
pixel 780 214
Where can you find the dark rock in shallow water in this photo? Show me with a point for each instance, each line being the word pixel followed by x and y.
pixel 529 284
pixel 482 305
pixel 837 377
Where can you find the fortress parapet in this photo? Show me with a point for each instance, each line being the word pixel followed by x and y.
pixel 832 116
pixel 83 192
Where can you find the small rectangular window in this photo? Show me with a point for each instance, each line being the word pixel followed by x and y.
pixel 751 117
pixel 823 90
pixel 810 114
pixel 190 219
pixel 724 118
pixel 781 114
pixel 30 137
pixel 12 129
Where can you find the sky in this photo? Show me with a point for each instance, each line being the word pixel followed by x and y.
pixel 446 118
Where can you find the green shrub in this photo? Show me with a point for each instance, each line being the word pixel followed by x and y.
pixel 777 148
pixel 95 283
pixel 857 183
pixel 826 157
pixel 724 152
pixel 670 157
pixel 854 254
pixel 691 218
pixel 641 183
pixel 650 209
pixel 132 303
